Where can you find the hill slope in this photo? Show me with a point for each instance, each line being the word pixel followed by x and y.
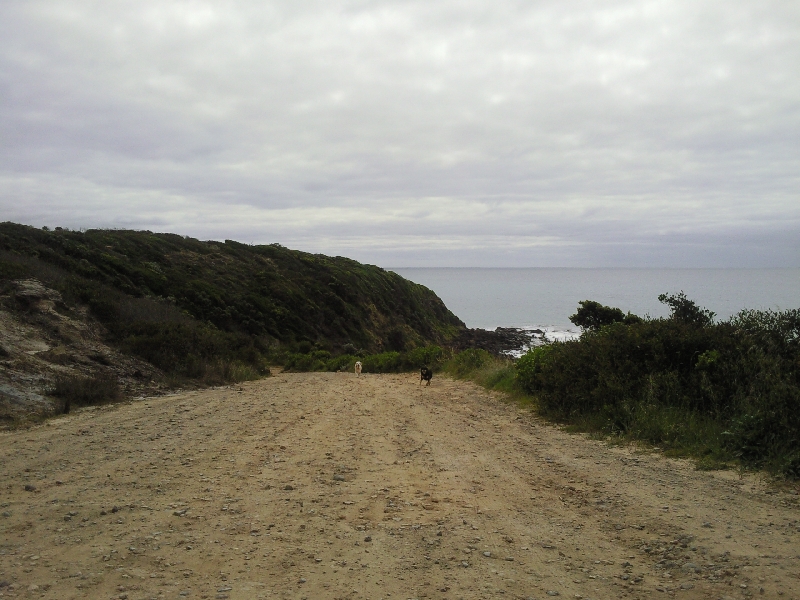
pixel 267 291
pixel 189 306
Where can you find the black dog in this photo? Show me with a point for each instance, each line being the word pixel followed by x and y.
pixel 425 374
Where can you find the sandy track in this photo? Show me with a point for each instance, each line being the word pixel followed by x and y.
pixel 328 486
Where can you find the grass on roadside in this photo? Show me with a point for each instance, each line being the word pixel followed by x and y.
pixel 674 431
pixel 489 371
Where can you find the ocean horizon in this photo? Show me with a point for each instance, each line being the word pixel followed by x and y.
pixel 544 298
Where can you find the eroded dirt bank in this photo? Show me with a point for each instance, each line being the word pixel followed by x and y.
pixel 329 486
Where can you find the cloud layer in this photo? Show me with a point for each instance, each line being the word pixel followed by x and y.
pixel 405 133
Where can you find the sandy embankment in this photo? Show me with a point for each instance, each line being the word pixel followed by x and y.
pixel 328 486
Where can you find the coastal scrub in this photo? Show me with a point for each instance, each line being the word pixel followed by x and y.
pixel 722 391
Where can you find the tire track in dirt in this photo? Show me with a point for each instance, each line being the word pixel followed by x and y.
pixel 332 486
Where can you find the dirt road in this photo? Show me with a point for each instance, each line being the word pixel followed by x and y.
pixel 332 486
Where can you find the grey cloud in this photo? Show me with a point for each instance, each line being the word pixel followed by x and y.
pixel 575 131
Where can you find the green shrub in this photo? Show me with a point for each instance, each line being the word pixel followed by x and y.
pixel 426 356
pixel 104 309
pixel 386 362
pixel 469 361
pixel 86 391
pixel 302 362
pixel 529 366
pixel 318 360
pixel 715 389
pixel 343 362
pixel 591 316
pixel 686 311
pixel 12 270
pixel 192 350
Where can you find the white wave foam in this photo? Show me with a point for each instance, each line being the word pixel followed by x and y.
pixel 544 334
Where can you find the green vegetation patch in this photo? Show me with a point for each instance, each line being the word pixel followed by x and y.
pixel 86 391
pixel 222 311
pixel 384 362
pixel 720 391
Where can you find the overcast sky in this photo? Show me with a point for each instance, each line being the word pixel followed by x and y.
pixel 413 133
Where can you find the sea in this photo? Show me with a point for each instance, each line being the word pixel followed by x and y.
pixel 544 298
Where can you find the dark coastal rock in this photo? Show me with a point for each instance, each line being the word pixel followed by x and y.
pixel 502 340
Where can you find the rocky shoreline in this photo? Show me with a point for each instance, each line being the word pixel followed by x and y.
pixel 501 341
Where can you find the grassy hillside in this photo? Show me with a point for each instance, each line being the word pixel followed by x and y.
pixel 182 303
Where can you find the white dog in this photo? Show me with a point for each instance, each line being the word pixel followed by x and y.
pixel 358 368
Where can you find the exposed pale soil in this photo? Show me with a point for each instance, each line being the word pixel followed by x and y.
pixel 41 339
pixel 332 486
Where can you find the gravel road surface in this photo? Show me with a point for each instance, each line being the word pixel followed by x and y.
pixel 325 485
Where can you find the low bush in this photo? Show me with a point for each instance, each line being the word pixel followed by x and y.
pixel 385 362
pixel 191 350
pixel 469 361
pixel 317 360
pixel 343 362
pixel 226 371
pixel 530 366
pixel 720 390
pixel 75 390
pixel 426 356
